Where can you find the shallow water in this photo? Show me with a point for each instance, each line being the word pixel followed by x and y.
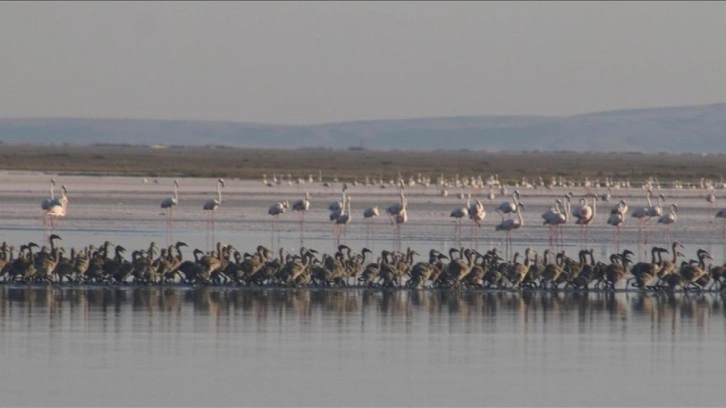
pixel 271 347
pixel 176 346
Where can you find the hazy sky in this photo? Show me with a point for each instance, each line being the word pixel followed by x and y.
pixel 305 62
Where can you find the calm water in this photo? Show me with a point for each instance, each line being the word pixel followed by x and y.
pixel 211 347
pixel 208 346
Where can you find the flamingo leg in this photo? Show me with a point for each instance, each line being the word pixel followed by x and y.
pixel 213 228
pixel 302 228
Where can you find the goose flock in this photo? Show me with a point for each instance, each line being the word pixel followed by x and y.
pixel 460 268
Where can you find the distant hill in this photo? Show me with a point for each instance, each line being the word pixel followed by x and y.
pixel 687 129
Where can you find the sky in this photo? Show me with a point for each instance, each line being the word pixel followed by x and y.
pixel 310 62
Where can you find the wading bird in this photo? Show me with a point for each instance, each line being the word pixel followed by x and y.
pixel 211 206
pixel 168 204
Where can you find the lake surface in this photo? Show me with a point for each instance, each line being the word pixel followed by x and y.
pixel 174 346
pixel 273 347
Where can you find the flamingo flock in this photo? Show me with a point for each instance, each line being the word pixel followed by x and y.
pixel 649 214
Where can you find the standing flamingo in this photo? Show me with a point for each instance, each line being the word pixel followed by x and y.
pixel 476 214
pixel 169 203
pixel 554 218
pixel 670 218
pixel 510 207
pixel 343 220
pixel 45 206
pixel 646 213
pixel 585 214
pixel 368 214
pixel 399 216
pixel 711 200
pixel 211 206
pixel 616 219
pixel 275 210
pixel 57 209
pixel 459 213
pixel 302 205
pixel 48 202
pixel 509 225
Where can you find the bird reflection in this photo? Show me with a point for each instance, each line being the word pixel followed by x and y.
pixel 349 306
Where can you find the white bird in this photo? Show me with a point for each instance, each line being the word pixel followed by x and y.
pixel 657 210
pixel 371 212
pixel 510 207
pixel 551 216
pixel 48 202
pixel 644 214
pixel 606 196
pixel 337 206
pixel 620 208
pixel 586 213
pixel 399 216
pixel 491 196
pixel 211 206
pixel 670 218
pixel 460 213
pixel 554 218
pixel 616 219
pixel 342 220
pixel 477 212
pixel 397 208
pixel 302 205
pixel 711 199
pixel 511 224
pixel 57 208
pixel 275 210
pixel 169 203
pixel 278 208
pixel 345 217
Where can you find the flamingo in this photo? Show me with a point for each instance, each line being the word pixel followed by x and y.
pixel 509 225
pixel 670 218
pixel 46 204
pixel 645 213
pixel 57 209
pixel 211 206
pixel 302 205
pixel 711 200
pixel 343 220
pixel 476 214
pixel 368 214
pixel 509 207
pixel 553 218
pixel 169 203
pixel 275 210
pixel 616 219
pixel 459 213
pixel 399 215
pixel 338 205
pixel 585 214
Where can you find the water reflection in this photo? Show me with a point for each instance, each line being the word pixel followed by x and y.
pixel 354 306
